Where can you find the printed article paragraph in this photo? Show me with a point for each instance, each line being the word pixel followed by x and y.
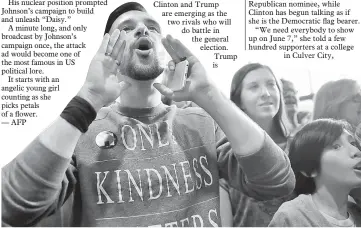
pixel 300 29
pixel 37 36
pixel 203 20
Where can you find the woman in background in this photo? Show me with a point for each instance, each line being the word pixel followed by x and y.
pixel 258 93
pixel 339 99
pixel 327 164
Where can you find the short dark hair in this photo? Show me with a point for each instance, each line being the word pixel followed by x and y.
pixel 307 147
pixel 129 6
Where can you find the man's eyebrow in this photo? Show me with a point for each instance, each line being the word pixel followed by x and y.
pixel 147 21
pixel 151 21
pixel 125 22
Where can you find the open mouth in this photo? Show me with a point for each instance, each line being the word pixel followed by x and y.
pixel 143 46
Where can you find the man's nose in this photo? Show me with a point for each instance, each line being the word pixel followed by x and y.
pixel 142 30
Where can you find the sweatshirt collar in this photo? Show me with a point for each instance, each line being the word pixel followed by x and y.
pixel 138 112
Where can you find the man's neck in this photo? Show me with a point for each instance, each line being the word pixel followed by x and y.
pixel 332 201
pixel 141 94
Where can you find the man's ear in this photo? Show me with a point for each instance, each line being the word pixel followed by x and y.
pixel 313 174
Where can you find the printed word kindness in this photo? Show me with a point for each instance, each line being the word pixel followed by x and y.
pixel 176 179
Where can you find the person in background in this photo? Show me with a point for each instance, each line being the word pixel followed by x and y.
pixel 304 117
pixel 340 100
pixel 296 117
pixel 257 92
pixel 327 164
pixel 291 102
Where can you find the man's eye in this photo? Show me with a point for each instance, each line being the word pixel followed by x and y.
pixel 126 29
pixel 153 28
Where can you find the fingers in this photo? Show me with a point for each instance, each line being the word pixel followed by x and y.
pixel 182 50
pixel 104 44
pixel 178 51
pixel 164 90
pixel 113 78
pixel 124 85
pixel 122 35
pixel 117 46
pixel 115 50
pixel 171 65
pixel 168 73
pixel 121 52
pixel 117 79
pixel 170 50
pixel 120 76
pixel 180 95
pixel 122 47
pixel 113 39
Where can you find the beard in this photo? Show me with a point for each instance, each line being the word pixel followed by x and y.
pixel 142 68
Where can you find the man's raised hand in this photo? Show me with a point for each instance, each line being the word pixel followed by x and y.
pixel 104 83
pixel 197 82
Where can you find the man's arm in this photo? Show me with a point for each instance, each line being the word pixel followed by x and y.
pixel 32 181
pixel 35 184
pixel 260 168
pixel 262 164
pixel 263 175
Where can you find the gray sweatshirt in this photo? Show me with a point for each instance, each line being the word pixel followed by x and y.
pixel 141 167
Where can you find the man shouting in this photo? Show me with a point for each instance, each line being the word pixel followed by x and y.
pixel 139 162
